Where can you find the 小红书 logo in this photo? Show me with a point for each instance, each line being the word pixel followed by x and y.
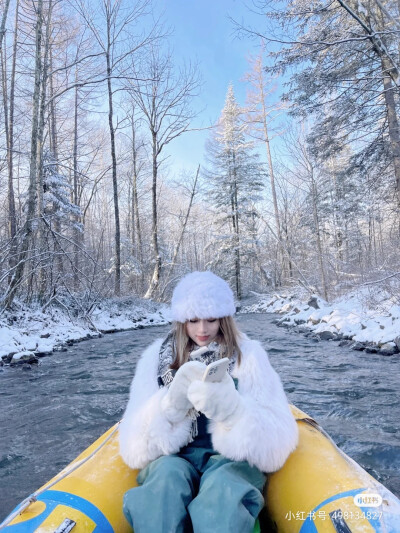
pixel 368 500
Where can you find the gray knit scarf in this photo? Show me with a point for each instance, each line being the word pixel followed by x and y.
pixel 165 374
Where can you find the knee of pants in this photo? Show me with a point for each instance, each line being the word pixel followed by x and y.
pixel 168 467
pixel 220 468
pixel 234 482
pixel 170 481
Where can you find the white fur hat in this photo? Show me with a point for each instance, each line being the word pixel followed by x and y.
pixel 201 295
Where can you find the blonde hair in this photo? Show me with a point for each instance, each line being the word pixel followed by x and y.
pixel 228 336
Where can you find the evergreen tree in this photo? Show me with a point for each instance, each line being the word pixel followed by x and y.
pixel 57 194
pixel 235 181
pixel 342 60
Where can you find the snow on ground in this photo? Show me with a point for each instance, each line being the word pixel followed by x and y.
pixel 368 319
pixel 28 332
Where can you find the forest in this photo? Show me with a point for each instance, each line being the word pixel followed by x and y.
pixel 299 189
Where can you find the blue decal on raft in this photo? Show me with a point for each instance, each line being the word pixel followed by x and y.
pixel 309 526
pixel 374 520
pixel 53 498
pixel 85 506
pixel 30 525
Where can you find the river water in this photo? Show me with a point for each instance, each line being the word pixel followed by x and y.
pixel 51 413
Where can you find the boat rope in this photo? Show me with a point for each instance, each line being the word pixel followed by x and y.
pixel 63 474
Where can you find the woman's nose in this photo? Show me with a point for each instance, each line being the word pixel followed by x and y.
pixel 203 325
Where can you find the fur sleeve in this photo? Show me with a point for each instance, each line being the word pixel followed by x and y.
pixel 266 432
pixel 144 433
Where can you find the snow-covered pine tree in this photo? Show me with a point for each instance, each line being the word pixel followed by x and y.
pixel 235 179
pixel 342 58
pixel 56 194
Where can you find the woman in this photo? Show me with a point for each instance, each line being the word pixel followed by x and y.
pixel 203 447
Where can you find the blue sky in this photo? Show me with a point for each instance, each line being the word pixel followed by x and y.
pixel 203 32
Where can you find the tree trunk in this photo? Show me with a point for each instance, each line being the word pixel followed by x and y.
pixel 281 255
pixel 3 23
pixel 318 236
pixel 9 130
pixel 54 151
pixel 290 267
pixel 137 243
pixel 235 220
pixel 32 189
pixel 393 122
pixel 237 252
pixel 43 244
pixel 260 84
pixel 155 279
pixel 75 195
pixel 117 285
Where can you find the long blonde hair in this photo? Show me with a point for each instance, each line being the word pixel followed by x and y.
pixel 228 336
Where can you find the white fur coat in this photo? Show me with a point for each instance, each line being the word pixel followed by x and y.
pixel 264 435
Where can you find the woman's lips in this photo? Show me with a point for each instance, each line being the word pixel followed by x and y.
pixel 202 339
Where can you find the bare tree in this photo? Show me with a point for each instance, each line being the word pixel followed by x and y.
pixel 261 113
pixel 192 193
pixel 113 34
pixel 305 171
pixel 164 101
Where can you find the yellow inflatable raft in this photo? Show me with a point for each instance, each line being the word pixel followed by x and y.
pixel 319 489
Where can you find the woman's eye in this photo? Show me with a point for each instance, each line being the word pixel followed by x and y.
pixel 193 321
pixel 212 320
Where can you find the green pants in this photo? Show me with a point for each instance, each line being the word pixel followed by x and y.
pixel 174 496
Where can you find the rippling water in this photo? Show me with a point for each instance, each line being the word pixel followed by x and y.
pixel 51 413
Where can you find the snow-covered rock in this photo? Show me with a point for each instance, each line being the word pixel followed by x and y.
pixel 23 357
pixel 397 341
pixel 45 345
pixel 367 322
pixel 389 348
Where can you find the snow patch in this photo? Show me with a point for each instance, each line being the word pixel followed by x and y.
pixel 33 331
pixel 355 316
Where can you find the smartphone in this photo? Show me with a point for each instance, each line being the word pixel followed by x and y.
pixel 215 371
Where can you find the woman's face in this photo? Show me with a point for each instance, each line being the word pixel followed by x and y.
pixel 202 331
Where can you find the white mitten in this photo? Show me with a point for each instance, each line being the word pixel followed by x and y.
pixel 175 403
pixel 219 401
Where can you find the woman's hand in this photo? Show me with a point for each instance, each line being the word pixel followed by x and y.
pixel 175 403
pixel 219 400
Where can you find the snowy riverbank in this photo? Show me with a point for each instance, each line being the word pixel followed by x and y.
pixel 361 319
pixel 27 334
